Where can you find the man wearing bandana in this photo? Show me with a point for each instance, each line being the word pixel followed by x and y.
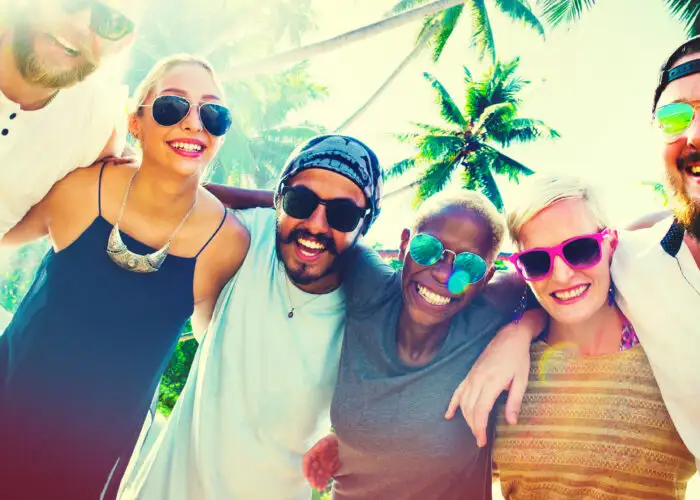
pixel 258 393
pixel 656 271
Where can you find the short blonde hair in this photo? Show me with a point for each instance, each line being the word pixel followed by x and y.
pixel 469 201
pixel 161 68
pixel 541 191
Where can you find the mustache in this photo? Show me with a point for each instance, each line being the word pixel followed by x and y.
pixel 692 157
pixel 325 240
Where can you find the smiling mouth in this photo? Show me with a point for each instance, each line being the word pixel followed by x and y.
pixel 431 297
pixel 187 146
pixel 571 294
pixel 65 45
pixel 693 170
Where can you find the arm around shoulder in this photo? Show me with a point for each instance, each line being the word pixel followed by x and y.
pixel 219 262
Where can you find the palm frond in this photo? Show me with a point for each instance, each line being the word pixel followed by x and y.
pixel 490 188
pixel 401 167
pixel 493 116
pixel 521 130
pixel 436 178
pixel 556 12
pixel 503 164
pixel 432 129
pixel 482 34
pixel 449 19
pixel 405 5
pixel 435 147
pixel 688 13
pixel 518 10
pixel 448 109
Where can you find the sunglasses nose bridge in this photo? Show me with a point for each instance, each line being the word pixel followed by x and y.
pixel 561 271
pixel 192 120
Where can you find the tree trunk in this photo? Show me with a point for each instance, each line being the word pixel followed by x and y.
pixel 422 43
pixel 403 189
pixel 286 58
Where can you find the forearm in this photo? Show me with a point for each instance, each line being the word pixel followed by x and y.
pixel 648 220
pixel 239 198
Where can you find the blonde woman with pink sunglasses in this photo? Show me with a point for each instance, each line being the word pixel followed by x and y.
pixel 592 422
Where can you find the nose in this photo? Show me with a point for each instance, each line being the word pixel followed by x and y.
pixel 693 132
pixel 561 272
pixel 442 270
pixel 192 122
pixel 89 43
pixel 317 222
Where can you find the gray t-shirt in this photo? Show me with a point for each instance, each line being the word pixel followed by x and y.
pixel 395 443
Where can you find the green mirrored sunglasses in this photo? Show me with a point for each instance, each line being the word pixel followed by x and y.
pixel 674 119
pixel 467 268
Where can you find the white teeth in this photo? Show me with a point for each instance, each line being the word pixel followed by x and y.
pixel 187 146
pixel 571 294
pixel 432 297
pixel 695 170
pixel 311 244
pixel 65 43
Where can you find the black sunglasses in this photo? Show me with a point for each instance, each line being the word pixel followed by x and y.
pixel 105 22
pixel 169 110
pixel 342 214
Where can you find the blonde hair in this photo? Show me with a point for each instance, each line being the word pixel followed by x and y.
pixel 160 69
pixel 469 201
pixel 541 191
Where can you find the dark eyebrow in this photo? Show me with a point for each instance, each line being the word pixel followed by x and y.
pixel 184 94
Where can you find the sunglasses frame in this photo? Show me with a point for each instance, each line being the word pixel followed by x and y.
pixel 442 256
pixel 558 251
pixel 95 8
pixel 668 138
pixel 362 212
pixel 199 107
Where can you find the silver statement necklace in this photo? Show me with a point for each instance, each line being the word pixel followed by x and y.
pixel 125 258
pixel 292 308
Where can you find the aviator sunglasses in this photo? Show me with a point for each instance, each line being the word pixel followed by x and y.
pixel 467 268
pixel 674 119
pixel 169 110
pixel 579 253
pixel 105 22
pixel 342 214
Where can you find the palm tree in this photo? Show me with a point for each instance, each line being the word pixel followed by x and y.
pixel 659 189
pixel 482 34
pixel 471 138
pixel 556 12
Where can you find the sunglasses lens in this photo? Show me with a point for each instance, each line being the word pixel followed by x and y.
pixel 343 215
pixel 170 109
pixel 425 249
pixel 299 202
pixel 472 265
pixel 582 253
pixel 674 119
pixel 215 118
pixel 109 23
pixel 534 265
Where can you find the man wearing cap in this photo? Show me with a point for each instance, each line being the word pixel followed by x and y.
pixel 259 390
pixel 656 270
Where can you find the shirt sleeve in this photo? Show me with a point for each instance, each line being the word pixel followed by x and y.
pixel 368 280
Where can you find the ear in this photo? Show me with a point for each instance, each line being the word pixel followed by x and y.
pixel 135 126
pixel 403 248
pixel 614 240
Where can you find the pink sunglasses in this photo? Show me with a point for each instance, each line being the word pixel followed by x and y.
pixel 580 252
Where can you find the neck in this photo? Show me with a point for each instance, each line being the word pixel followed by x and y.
pixel 29 96
pixel 161 193
pixel 417 344
pixel 599 334
pixel 327 284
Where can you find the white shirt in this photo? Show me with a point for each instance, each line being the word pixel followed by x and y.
pixel 659 292
pixel 38 148
pixel 258 393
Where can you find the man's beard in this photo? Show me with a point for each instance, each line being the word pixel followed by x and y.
pixel 301 276
pixel 34 70
pixel 687 211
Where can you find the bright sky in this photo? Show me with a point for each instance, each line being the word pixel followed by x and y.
pixel 593 82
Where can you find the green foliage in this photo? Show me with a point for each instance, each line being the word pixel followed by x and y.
pixel 175 374
pixel 395 264
pixel 469 138
pixel 482 38
pixel 659 190
pixel 19 273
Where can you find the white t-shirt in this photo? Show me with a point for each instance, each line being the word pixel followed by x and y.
pixel 38 148
pixel 258 393
pixel 658 284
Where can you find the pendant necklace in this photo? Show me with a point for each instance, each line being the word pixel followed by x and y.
pixel 292 308
pixel 131 261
